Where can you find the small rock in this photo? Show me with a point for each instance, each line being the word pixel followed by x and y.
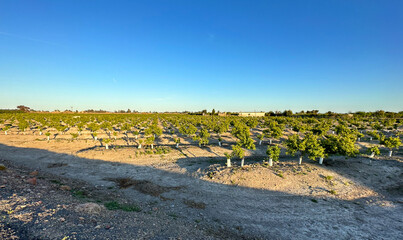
pixel 97 226
pixel 80 225
pixel 81 218
pixel 107 226
pixel 34 173
pixel 65 188
pixel 62 219
pixel 2 167
pixel 32 181
pixel 90 208
pixel 2 186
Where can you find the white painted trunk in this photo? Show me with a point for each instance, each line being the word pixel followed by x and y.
pixel 219 144
pixel 270 141
pixel 139 146
pixel 48 138
pixel 177 145
pixel 300 160
pixel 332 132
pixel 260 142
pixel 106 146
pixel 6 132
pixel 228 162
pixel 372 155
pixel 40 133
pixel 270 162
pixel 242 162
pixel 390 153
pixel 136 137
pixel 359 139
pixel 96 138
pixel 370 139
pixel 152 146
pixel 321 160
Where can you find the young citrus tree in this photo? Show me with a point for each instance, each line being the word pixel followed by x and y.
pixel 392 143
pixel 5 129
pixel 238 151
pixel 47 134
pixel 107 141
pixel 309 146
pixel 140 143
pixel 74 136
pixel 260 137
pixel 177 142
pixel 150 141
pixel 228 156
pixel 273 153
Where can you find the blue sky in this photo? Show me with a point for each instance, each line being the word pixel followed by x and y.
pixel 337 55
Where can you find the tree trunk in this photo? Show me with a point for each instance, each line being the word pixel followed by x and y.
pixel 152 146
pixel 372 155
pixel 177 145
pixel 136 137
pixel 300 160
pixel 96 138
pixel 40 133
pixel 370 138
pixel 228 162
pixel 390 153
pixel 321 160
pixel 242 162
pixel 48 138
pixel 270 141
pixel 270 162
pixel 219 143
pixel 359 139
pixel 106 146
pixel 260 142
pixel 139 146
pixel 6 132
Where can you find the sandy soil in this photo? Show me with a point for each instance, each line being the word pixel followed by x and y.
pixel 344 198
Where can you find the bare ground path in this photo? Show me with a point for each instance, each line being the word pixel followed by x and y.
pixel 238 210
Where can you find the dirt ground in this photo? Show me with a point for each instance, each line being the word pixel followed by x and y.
pixel 195 195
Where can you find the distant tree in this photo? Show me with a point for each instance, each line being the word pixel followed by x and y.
pixel 23 108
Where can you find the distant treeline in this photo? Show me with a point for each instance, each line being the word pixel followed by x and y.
pixel 11 111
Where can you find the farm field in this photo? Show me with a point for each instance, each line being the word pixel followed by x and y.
pixel 274 177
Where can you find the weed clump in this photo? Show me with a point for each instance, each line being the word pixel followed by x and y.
pixel 113 205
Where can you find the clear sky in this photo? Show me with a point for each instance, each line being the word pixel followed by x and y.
pixel 337 55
